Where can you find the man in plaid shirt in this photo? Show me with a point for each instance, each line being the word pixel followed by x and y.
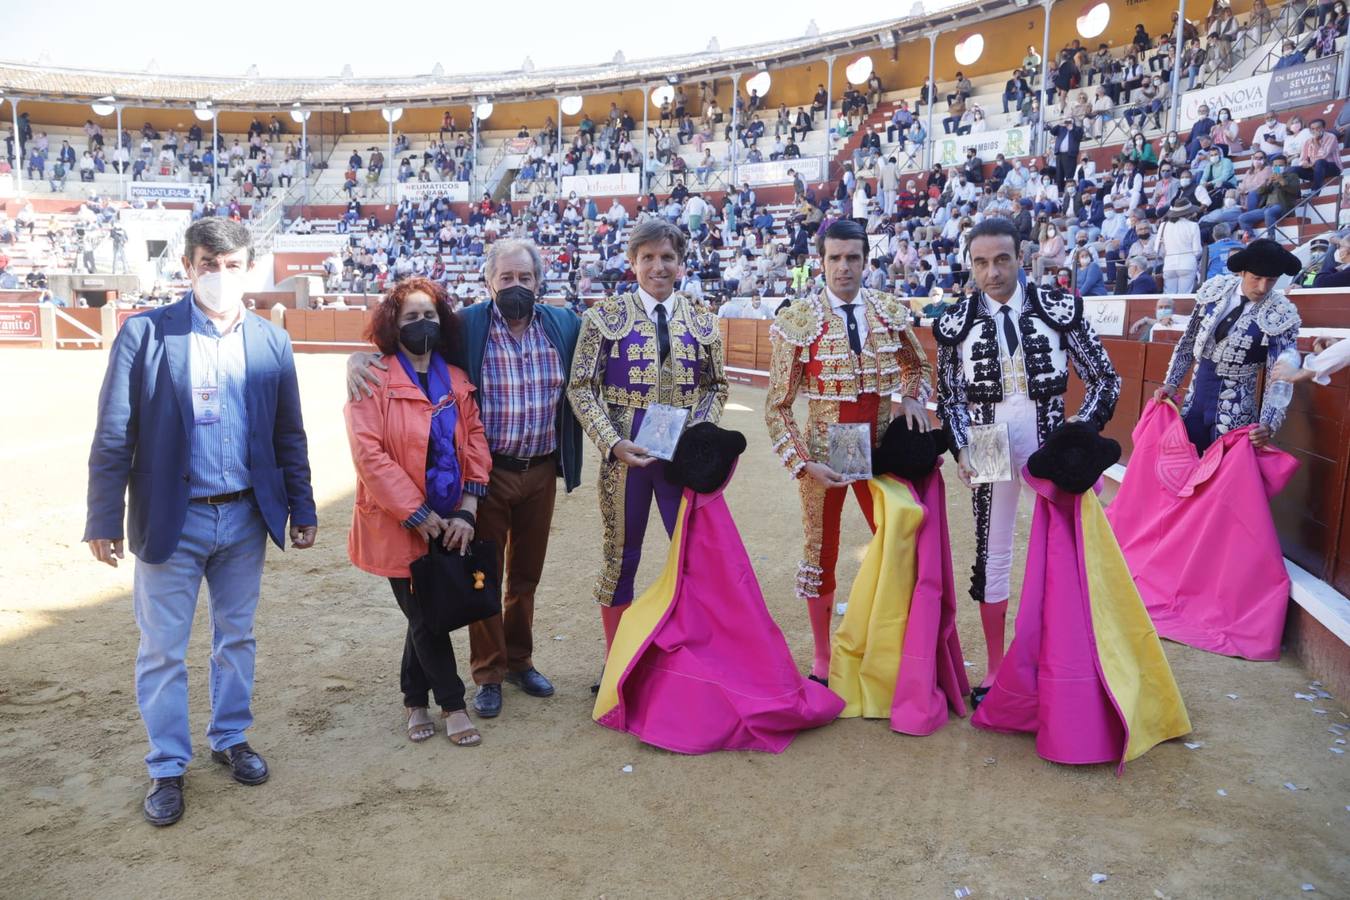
pixel 517 354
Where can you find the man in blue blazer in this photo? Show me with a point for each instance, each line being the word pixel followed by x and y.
pixel 518 354
pixel 200 444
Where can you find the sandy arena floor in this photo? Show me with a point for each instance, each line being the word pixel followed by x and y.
pixel 542 808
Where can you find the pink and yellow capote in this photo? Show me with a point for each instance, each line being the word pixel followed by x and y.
pixel 1085 671
pixel 896 654
pixel 698 664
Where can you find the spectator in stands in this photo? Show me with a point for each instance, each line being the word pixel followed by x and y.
pixel 956 108
pixel 1174 152
pixel 1289 56
pixel 1031 63
pixel 37 163
pixel 1164 314
pixel 58 179
pixel 1334 268
pixel 1051 254
pixel 1321 156
pixel 1015 88
pixel 1098 113
pixel 1218 175
pixel 901 120
pixel 1087 275
pixel 1294 139
pixel 1217 252
pixel 1203 127
pixel 1224 134
pixel 1066 77
pixel 1343 125
pixel 1227 212
pixel 1067 135
pixel 1178 245
pixel 1271 135
pixel 973 122
pixel 1141 41
pixel 1141 280
pixel 802 125
pixel 1141 153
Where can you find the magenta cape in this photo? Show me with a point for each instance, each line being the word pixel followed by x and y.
pixel 1085 672
pixel 1198 536
pixel 896 652
pixel 698 664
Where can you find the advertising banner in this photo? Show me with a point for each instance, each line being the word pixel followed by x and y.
pixel 776 171
pixel 417 191
pixel 309 243
pixel 1311 82
pixel 950 149
pixel 601 185
pixel 1244 98
pixel 175 192
pixel 1107 316
pixel 19 324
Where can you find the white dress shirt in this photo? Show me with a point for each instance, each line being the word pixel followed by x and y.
pixel 650 303
pixel 859 312
pixel 1014 304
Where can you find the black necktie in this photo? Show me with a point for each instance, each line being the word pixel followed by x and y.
pixel 1226 323
pixel 1009 331
pixel 854 339
pixel 662 331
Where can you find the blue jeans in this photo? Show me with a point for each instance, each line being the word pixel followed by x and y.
pixel 1268 215
pixel 227 545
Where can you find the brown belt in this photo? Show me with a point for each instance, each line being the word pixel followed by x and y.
pixel 218 499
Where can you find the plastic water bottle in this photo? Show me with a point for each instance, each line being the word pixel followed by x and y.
pixel 1279 393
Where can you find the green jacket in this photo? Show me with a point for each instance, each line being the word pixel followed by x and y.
pixel 1281 190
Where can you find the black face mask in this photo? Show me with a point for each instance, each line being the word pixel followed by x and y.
pixel 516 302
pixel 421 336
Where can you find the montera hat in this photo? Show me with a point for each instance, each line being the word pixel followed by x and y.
pixel 1073 457
pixel 704 457
pixel 906 452
pixel 1266 258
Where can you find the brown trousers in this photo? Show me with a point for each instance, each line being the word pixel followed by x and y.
pixel 517 514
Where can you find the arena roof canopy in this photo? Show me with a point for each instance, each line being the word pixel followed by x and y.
pixel 26 81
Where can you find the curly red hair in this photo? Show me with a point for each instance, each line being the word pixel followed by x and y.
pixel 382 328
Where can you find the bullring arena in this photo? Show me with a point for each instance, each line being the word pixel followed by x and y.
pixel 1254 802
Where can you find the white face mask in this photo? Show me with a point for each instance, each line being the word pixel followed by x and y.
pixel 219 292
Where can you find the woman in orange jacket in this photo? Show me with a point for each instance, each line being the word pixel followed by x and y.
pixel 422 462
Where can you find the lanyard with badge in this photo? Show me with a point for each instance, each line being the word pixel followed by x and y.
pixel 206 387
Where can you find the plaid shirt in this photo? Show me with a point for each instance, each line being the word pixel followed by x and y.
pixel 521 385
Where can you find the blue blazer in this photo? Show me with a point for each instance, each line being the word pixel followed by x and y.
pixel 139 462
pixel 562 327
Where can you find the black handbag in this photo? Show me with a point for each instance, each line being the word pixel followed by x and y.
pixel 454 590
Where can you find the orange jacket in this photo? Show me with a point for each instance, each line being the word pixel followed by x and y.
pixel 389 434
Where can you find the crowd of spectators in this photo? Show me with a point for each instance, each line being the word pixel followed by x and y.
pixel 266 158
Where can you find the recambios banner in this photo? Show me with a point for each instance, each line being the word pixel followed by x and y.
pixel 950 149
pixel 417 191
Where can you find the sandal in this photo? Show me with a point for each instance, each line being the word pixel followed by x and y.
pixel 467 737
pixel 420 726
